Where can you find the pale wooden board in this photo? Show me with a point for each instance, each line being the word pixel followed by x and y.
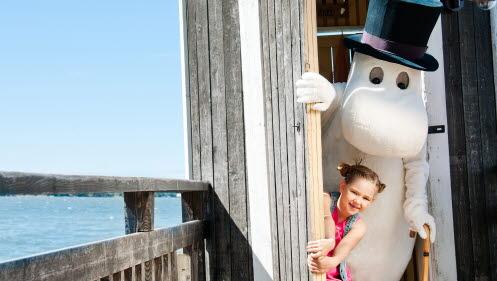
pixel 94 260
pixel 238 207
pixel 218 248
pixel 443 265
pixel 14 183
pixel 268 64
pixel 300 195
pixel 313 128
pixel 194 119
pixel 274 25
pixel 204 90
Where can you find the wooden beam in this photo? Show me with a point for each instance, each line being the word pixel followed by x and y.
pixel 313 132
pixel 139 211
pixel 15 183
pixel 99 259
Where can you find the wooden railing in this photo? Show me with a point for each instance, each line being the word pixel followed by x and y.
pixel 143 254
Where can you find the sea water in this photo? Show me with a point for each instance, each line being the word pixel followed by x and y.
pixel 35 224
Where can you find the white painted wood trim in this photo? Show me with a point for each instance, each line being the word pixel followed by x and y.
pixel 255 140
pixel 443 255
pixel 185 85
pixel 493 34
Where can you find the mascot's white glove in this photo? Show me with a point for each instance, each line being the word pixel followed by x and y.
pixel 416 204
pixel 314 88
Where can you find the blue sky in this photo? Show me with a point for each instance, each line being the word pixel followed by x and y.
pixel 91 87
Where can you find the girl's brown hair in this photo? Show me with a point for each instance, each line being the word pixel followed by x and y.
pixel 351 172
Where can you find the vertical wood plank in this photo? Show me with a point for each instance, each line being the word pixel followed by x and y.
pixel 139 217
pixel 220 202
pixel 138 272
pixel 473 143
pixel 281 51
pixel 173 266
pixel 313 133
pixel 457 145
pixel 300 169
pixel 290 23
pixel 128 274
pixel 194 206
pixel 274 23
pixel 267 65
pixel 193 89
pixel 239 250
pixel 488 129
pixel 139 211
pixel 204 90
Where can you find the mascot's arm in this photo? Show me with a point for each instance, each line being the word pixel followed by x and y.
pixel 314 88
pixel 416 203
pixel 326 116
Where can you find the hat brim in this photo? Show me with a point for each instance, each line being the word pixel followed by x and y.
pixel 425 63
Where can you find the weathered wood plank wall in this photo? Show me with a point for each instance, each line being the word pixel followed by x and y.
pixel 217 131
pixel 472 128
pixel 281 33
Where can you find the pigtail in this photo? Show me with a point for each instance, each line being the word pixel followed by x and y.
pixel 381 187
pixel 344 169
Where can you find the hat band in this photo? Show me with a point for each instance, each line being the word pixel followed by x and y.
pixel 404 50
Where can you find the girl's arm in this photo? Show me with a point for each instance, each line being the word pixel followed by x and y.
pixel 349 241
pixel 329 224
pixel 319 248
pixel 324 264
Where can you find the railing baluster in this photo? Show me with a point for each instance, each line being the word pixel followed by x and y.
pixel 174 267
pixel 157 265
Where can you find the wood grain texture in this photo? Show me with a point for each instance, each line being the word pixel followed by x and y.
pixel 220 203
pixel 191 30
pixel 472 140
pixel 15 183
pixel 313 133
pixel 457 145
pixel 91 261
pixel 488 131
pixel 267 8
pixel 139 211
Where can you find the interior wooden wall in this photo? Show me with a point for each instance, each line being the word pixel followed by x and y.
pixel 472 129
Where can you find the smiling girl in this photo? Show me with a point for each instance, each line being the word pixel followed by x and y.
pixel 343 225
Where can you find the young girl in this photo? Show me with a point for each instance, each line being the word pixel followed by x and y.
pixel 343 225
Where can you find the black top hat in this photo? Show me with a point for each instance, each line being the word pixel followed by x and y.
pixel 398 31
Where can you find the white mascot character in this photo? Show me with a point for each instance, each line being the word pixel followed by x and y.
pixel 379 116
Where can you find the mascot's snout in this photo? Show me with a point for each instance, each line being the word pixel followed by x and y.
pixel 379 117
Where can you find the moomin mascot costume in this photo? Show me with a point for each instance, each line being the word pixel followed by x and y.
pixel 379 116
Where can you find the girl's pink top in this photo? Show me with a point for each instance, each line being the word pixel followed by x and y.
pixel 334 274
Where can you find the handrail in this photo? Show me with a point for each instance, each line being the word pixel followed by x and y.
pixel 18 183
pixel 99 259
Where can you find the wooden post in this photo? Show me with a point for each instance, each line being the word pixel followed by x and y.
pixel 313 132
pixel 194 207
pixel 139 217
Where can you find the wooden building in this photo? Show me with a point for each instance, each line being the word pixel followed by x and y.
pixel 245 206
pixel 246 133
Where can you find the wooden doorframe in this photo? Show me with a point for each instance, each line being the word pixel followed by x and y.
pixel 442 260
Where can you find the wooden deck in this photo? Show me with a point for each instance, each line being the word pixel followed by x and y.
pixel 143 254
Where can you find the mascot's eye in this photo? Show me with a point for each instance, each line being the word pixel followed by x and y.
pixel 376 75
pixel 402 80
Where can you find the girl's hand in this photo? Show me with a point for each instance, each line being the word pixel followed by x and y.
pixel 321 264
pixel 320 248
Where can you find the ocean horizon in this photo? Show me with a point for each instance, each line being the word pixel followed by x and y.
pixel 31 225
